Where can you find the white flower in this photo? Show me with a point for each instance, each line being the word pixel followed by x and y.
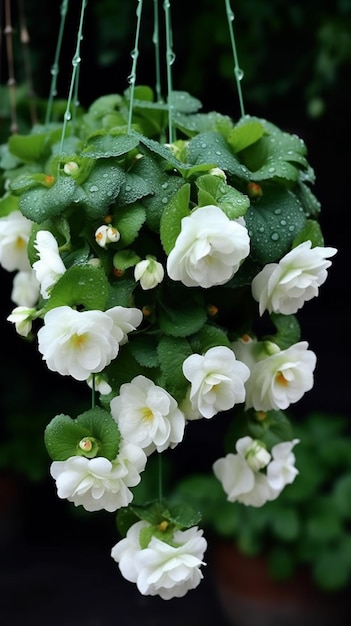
pixel 125 320
pixel 278 378
pixel 281 470
pixel 240 473
pixel 25 288
pixel 98 483
pixel 149 272
pixel 106 234
pixel 15 230
pixel 147 415
pixel 209 249
pixel 169 571
pixel 50 266
pixel 284 287
pixel 217 380
pixel 78 343
pixel 99 383
pixel 22 317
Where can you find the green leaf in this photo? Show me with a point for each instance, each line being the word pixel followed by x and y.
pixel 197 123
pixel 172 351
pixel 102 187
pixel 208 337
pixel 109 144
pixel 211 147
pixel 124 259
pixel 342 495
pixel 288 330
pixel 183 515
pixel 80 285
pixel 104 429
pixel 245 134
pixel 311 231
pixel 273 223
pixel 286 524
pixel 183 102
pixel 34 146
pixel 40 203
pixel 281 563
pixel 183 317
pixel 128 220
pixel 144 350
pixel 62 436
pixel 8 203
pixel 176 209
pixel 213 190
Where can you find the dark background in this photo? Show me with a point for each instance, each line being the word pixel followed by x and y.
pixel 296 59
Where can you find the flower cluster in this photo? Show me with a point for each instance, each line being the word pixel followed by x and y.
pixel 141 269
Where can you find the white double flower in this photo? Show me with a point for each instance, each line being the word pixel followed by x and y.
pixel 98 483
pixel 254 476
pixel 80 343
pixel 163 569
pixel 209 249
pixel 284 287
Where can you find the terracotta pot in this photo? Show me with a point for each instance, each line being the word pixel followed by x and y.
pixel 249 597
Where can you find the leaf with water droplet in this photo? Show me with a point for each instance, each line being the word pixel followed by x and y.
pixel 40 203
pixel 102 187
pixel 177 208
pixel 245 133
pixel 80 285
pixel 196 123
pixel 103 145
pixel 172 352
pixel 215 143
pixel 262 217
pixel 213 190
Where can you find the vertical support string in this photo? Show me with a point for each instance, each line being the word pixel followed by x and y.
pixel 156 42
pixel 238 72
pixel 134 55
pixel 55 66
pixel 25 40
pixel 11 83
pixel 170 58
pixel 75 63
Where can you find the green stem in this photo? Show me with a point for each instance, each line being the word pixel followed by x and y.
pixel 156 42
pixel 238 72
pixel 134 55
pixel 75 62
pixel 55 66
pixel 160 478
pixel 170 58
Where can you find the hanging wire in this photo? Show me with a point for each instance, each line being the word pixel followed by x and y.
pixel 25 40
pixel 238 72
pixel 75 63
pixel 55 66
pixel 11 83
pixel 156 42
pixel 134 55
pixel 170 58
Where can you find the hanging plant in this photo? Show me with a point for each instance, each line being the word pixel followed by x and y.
pixel 151 240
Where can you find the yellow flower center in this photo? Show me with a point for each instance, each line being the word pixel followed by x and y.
pixel 78 341
pixel 281 380
pixel 147 414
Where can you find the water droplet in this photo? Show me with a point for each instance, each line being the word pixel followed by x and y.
pixel 204 145
pixel 261 229
pixel 283 222
pixel 231 15
pixel 109 193
pixel 271 169
pixel 291 228
pixel 171 57
pixel 94 188
pixel 277 211
pixel 128 188
pixel 105 176
pixel 218 152
pixel 275 236
pixel 164 185
pixel 131 79
pixel 76 60
pixel 164 200
pixel 239 73
pixel 134 53
pixel 67 116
